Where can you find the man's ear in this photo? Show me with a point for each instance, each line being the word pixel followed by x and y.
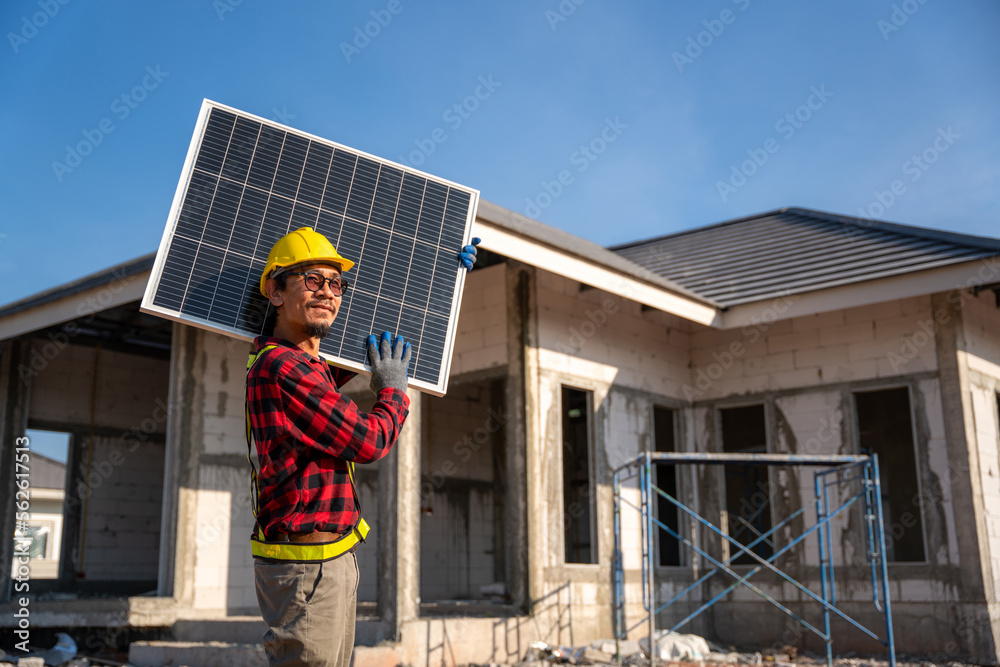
pixel 273 293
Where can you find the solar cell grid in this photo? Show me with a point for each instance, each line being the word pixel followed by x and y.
pixel 248 182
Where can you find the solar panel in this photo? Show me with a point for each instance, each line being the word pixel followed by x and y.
pixel 248 181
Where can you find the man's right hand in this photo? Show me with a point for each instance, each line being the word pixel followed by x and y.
pixel 389 361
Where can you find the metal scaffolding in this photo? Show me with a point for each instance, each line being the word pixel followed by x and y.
pixel 836 471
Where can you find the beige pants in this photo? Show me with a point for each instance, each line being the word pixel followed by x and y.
pixel 309 609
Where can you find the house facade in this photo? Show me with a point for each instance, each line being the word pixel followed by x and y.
pixel 492 520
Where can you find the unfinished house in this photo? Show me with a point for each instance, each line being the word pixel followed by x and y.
pixel 793 331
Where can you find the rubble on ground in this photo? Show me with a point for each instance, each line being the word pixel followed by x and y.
pixel 63 654
pixel 679 648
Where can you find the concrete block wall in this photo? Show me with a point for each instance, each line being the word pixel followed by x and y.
pixel 456 546
pixel 223 574
pixel 123 511
pixel 980 317
pixel 645 350
pixel 481 338
pixel 462 427
pixel 223 364
pixel 223 566
pixel 121 496
pixel 131 389
pixel 881 341
pixel 629 359
pixel 804 369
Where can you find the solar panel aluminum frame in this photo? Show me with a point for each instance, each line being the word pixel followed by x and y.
pixel 147 305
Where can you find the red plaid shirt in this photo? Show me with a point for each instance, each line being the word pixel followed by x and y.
pixel 306 431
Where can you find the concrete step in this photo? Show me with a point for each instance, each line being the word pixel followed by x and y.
pixel 195 654
pixel 375 656
pixel 369 631
pixel 232 629
pixel 226 654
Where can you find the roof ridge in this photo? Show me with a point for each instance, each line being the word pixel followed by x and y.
pixel 871 223
pixel 904 229
pixel 715 225
pixel 724 260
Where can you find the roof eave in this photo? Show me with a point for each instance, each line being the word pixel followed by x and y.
pixel 66 290
pixel 966 275
pixel 513 235
pixel 99 291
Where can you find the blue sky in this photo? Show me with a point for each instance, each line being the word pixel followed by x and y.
pixel 655 116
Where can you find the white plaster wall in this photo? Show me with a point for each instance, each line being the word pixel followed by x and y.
pixel 628 434
pixel 481 337
pixel 129 388
pixel 215 539
pixel 981 318
pixel 984 405
pixel 938 497
pixel 813 423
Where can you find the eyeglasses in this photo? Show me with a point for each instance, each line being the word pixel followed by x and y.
pixel 315 281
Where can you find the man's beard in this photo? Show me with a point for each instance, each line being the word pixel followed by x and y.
pixel 320 331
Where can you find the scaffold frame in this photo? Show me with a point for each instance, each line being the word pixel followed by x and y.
pixel 836 470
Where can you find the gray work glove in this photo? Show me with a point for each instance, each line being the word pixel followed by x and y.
pixel 389 361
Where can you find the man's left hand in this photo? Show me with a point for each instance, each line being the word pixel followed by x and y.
pixel 468 254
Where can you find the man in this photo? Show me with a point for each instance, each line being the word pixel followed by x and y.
pixel 309 436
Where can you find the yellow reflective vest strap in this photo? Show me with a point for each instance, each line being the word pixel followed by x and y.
pixel 246 402
pixel 293 551
pixel 312 553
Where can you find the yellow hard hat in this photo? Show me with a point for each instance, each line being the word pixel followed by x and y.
pixel 302 245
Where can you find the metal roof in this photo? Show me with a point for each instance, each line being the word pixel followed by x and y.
pixel 794 250
pixel 132 267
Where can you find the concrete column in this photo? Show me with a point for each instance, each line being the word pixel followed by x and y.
pixel 15 388
pixel 76 495
pixel 975 579
pixel 524 463
pixel 399 524
pixel 185 440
